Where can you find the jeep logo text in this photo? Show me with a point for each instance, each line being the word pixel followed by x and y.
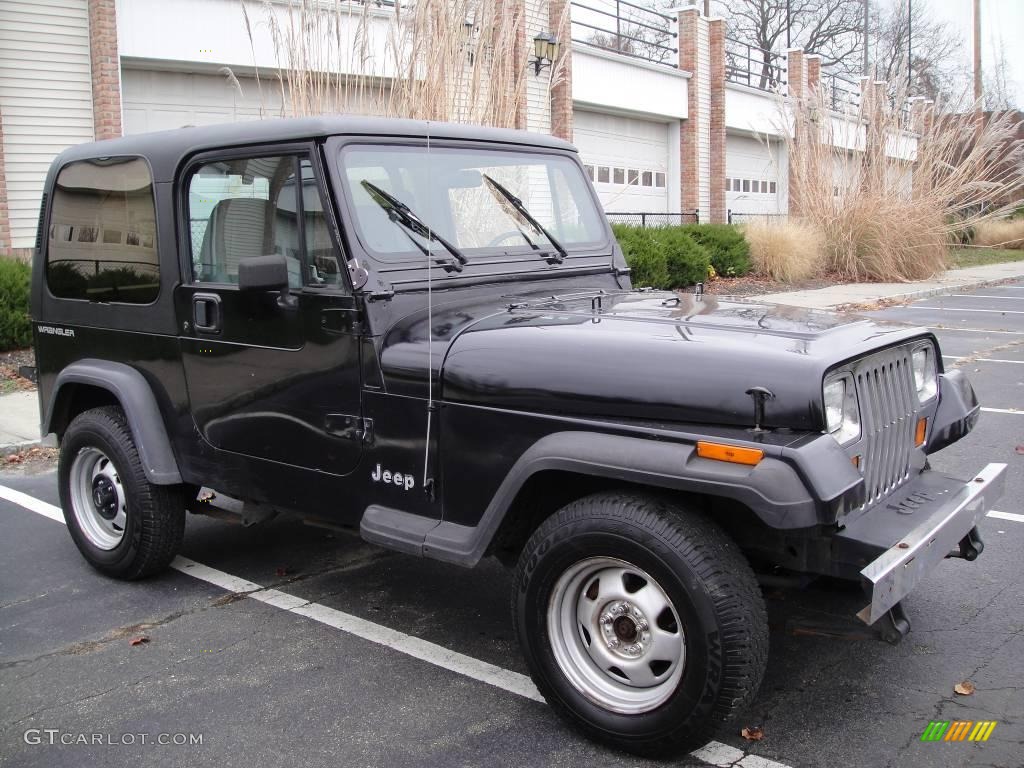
pixel 395 478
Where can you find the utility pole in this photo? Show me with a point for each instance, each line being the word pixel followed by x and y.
pixel 867 3
pixel 977 50
pixel 978 107
pixel 789 24
pixel 910 44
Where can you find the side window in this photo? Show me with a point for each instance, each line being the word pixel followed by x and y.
pixel 102 243
pixel 325 267
pixel 241 208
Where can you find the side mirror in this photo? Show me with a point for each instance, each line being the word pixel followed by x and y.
pixel 263 273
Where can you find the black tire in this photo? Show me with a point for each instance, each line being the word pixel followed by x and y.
pixel 710 585
pixel 155 514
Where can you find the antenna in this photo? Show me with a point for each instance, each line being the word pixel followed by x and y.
pixel 428 481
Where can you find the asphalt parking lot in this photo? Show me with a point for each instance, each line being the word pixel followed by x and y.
pixel 366 657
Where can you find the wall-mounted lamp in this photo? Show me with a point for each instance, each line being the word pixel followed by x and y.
pixel 545 50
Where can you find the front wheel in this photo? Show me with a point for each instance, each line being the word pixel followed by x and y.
pixel 642 624
pixel 122 524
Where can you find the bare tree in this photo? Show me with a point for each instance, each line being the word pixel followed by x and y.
pixel 936 59
pixel 998 92
pixel 833 29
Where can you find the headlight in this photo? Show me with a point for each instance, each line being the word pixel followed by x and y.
pixel 924 373
pixel 842 417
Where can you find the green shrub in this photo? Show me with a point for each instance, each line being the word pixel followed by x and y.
pixel 64 279
pixel 645 257
pixel 728 249
pixel 15 326
pixel 687 260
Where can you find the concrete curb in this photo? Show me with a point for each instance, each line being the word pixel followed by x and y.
pixel 11 448
pixel 929 292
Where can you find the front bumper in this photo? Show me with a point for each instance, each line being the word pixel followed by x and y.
pixel 911 531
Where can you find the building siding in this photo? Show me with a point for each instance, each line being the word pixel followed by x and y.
pixel 45 98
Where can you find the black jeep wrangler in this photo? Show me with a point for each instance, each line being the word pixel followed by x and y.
pixel 427 332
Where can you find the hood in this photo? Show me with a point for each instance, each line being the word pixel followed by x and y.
pixel 638 355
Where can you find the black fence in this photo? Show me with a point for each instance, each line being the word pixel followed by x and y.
pixel 655 219
pixel 842 93
pixel 741 217
pixel 754 67
pixel 629 29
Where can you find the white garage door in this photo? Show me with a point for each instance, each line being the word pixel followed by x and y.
pixel 755 176
pixel 45 98
pixel 157 101
pixel 627 158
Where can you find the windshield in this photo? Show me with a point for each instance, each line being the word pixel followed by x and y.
pixel 448 191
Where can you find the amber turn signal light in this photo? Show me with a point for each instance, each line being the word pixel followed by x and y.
pixel 731 453
pixel 920 432
pixel 856 461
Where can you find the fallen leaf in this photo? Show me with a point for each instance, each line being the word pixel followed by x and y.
pixel 138 640
pixel 966 688
pixel 281 571
pixel 1019 449
pixel 752 733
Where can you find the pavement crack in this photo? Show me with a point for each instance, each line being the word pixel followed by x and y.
pixel 70 702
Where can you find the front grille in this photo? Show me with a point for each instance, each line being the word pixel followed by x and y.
pixel 888 411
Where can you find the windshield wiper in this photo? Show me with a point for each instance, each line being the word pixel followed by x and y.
pixel 402 215
pixel 502 194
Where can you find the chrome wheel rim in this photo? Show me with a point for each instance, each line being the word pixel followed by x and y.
pixel 98 498
pixel 616 635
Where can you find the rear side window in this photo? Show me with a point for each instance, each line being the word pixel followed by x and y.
pixel 102 238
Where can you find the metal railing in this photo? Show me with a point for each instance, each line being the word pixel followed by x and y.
pixel 742 217
pixel 626 28
pixel 842 93
pixel 754 67
pixel 655 219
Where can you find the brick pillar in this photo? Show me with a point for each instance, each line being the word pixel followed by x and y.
pixel 561 87
pixel 795 73
pixel 716 57
pixel 812 64
pixel 689 129
pixel 795 79
pixel 106 69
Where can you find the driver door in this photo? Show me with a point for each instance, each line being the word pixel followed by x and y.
pixel 271 374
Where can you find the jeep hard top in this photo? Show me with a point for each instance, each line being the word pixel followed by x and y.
pixel 428 333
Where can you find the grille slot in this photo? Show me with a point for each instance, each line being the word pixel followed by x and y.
pixel 889 408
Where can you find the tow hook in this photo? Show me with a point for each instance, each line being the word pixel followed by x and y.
pixel 970 546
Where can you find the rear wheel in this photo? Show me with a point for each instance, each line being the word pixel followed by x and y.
pixel 122 524
pixel 642 624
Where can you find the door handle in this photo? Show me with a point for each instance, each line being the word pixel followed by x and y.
pixel 206 314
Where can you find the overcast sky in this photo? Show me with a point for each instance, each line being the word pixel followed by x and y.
pixel 1002 24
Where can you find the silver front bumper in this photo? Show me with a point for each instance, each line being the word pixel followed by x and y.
pixel 891 576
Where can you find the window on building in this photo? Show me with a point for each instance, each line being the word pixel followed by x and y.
pixel 589 170
pixel 764 187
pixel 633 176
pixel 94 202
pixel 619 175
pixel 771 187
pixel 603 174
pixel 728 185
pixel 746 185
pixel 659 180
pixel 647 179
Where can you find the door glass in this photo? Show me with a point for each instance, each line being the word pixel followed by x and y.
pixel 325 266
pixel 240 208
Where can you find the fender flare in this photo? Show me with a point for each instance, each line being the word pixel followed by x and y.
pixel 136 397
pixel 773 489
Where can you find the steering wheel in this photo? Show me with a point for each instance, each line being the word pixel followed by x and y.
pixel 504 236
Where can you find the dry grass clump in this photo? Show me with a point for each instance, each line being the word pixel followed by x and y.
pixel 1000 233
pixel 888 205
pixel 785 250
pixel 454 60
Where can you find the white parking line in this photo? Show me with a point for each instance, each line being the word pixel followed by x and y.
pixel 961 309
pixel 984 359
pixel 977 296
pixel 1007 516
pixel 1003 410
pixel 944 329
pixel 714 752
